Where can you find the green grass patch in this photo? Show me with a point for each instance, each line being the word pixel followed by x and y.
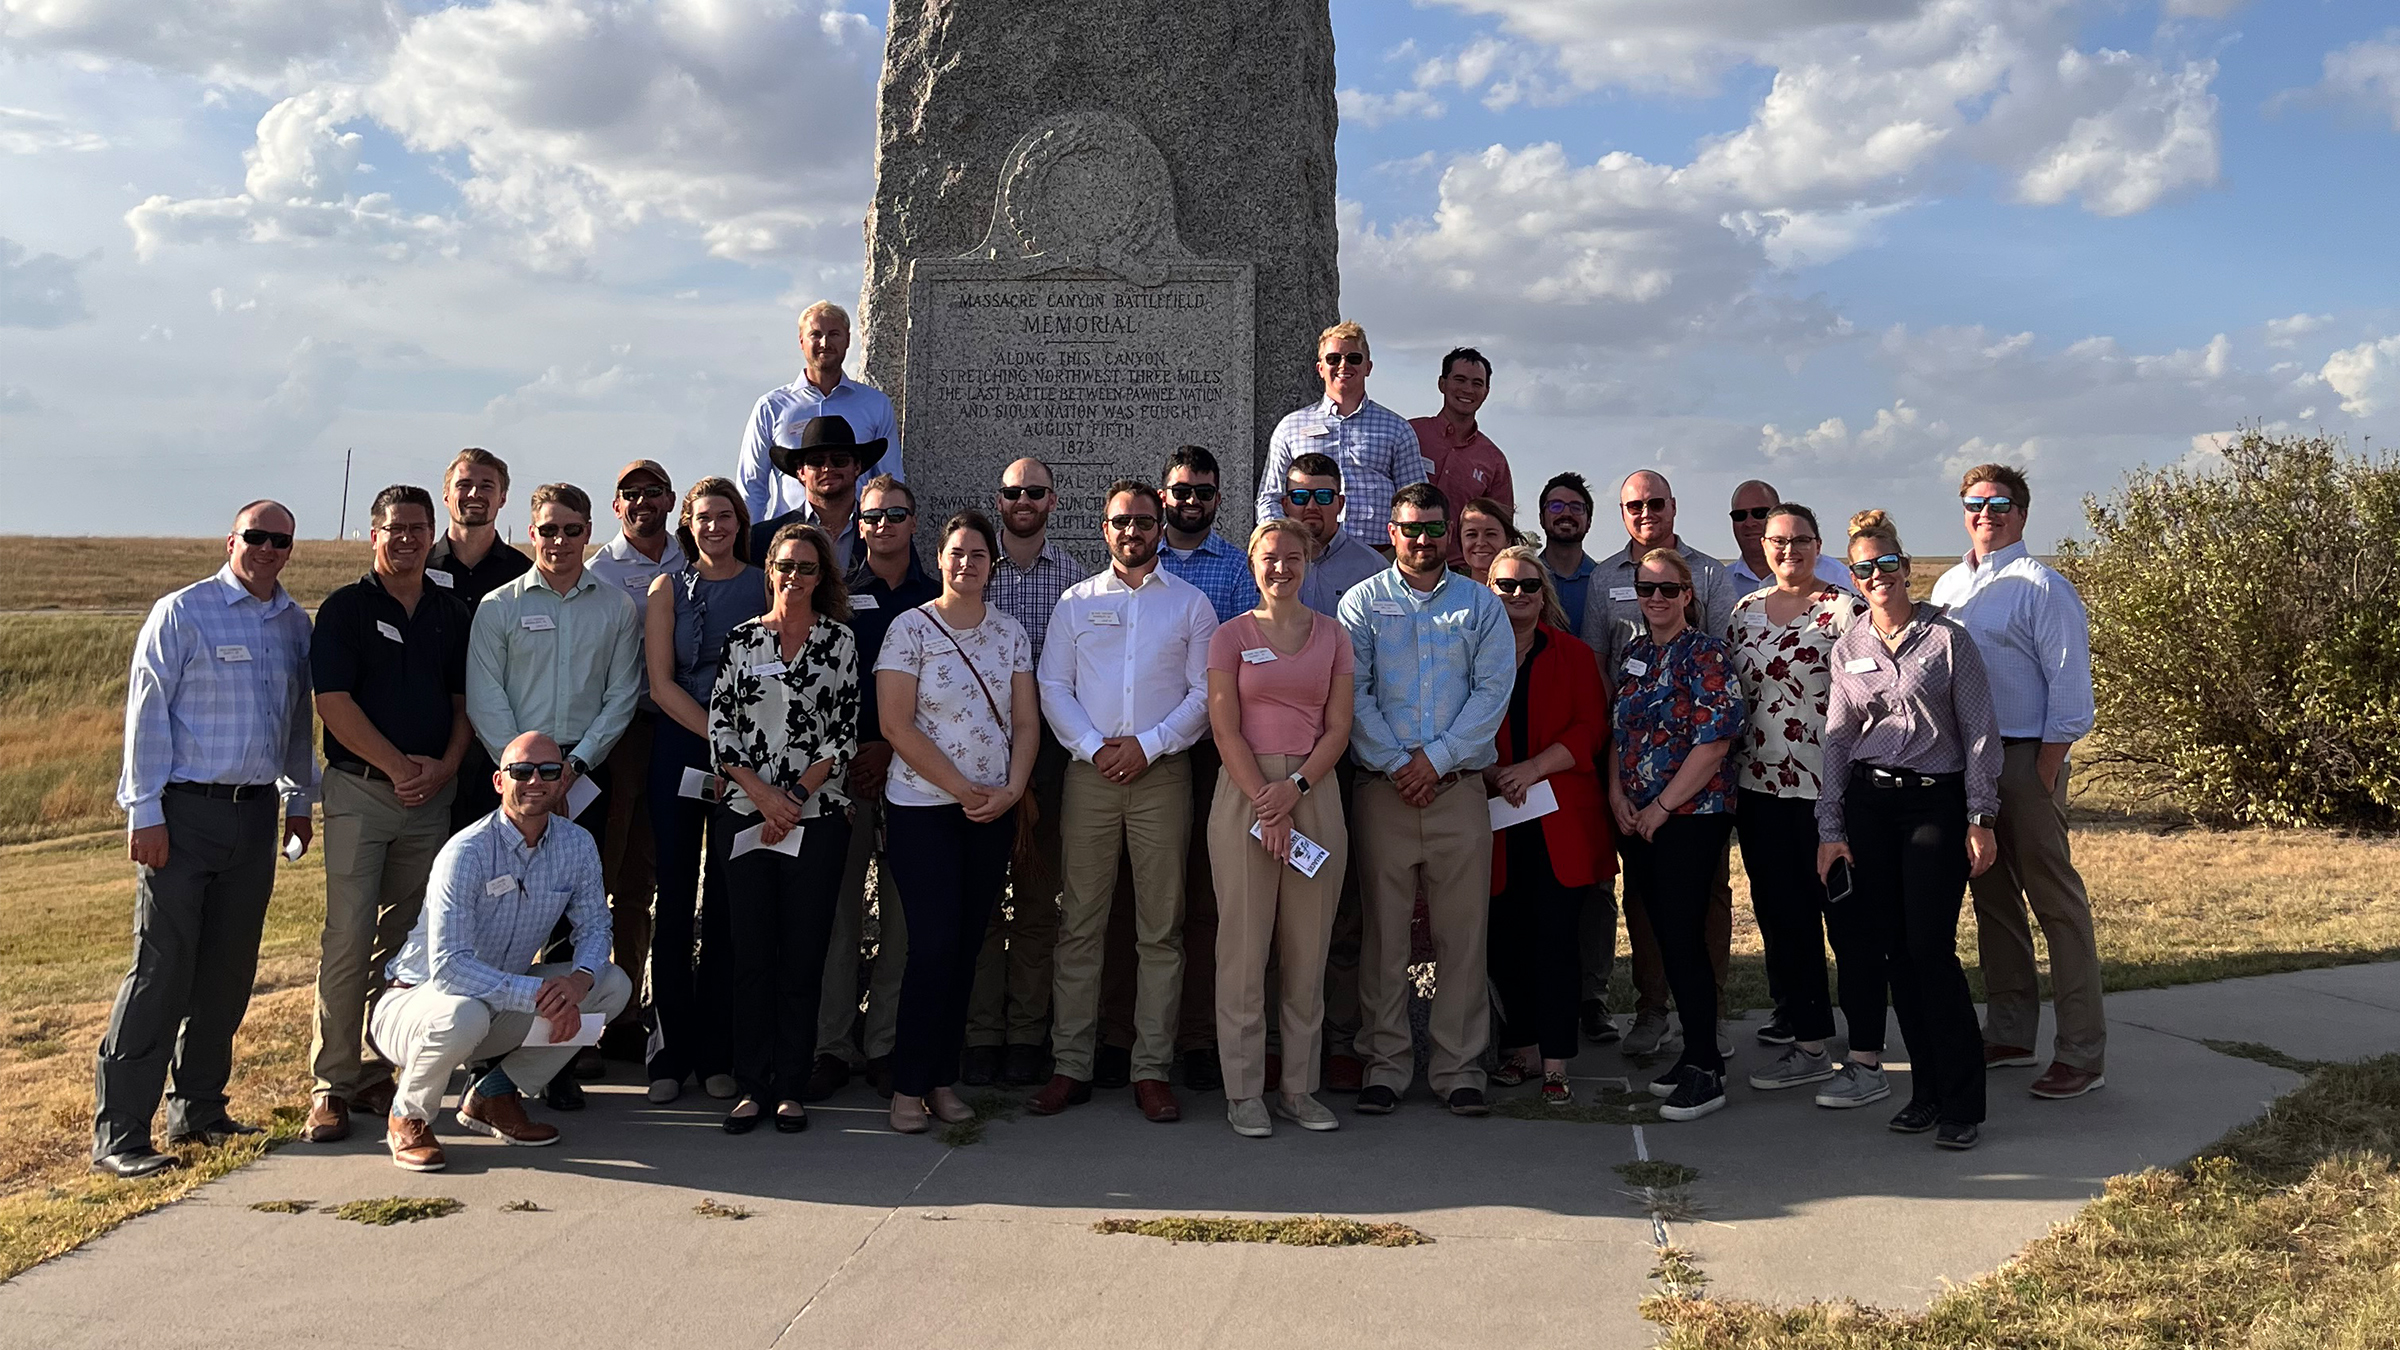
pixel 1678 1272
pixel 392 1209
pixel 1592 1106
pixel 989 1106
pixel 284 1206
pixel 1310 1231
pixel 713 1208
pixel 2265 1054
pixel 1657 1174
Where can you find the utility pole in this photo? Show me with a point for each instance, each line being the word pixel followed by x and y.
pixel 342 530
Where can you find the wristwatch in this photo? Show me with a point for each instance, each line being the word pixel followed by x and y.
pixel 582 770
pixel 1299 782
pixel 1983 819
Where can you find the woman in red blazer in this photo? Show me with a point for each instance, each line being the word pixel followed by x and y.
pixel 1555 733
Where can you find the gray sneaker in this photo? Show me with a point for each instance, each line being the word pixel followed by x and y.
pixel 1853 1085
pixel 1794 1068
pixel 1649 1031
pixel 1724 1042
pixel 1248 1116
pixel 1304 1111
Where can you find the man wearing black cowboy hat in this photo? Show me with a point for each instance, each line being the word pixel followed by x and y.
pixel 828 459
pixel 821 389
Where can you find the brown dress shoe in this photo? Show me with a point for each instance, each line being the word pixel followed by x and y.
pixel 2061 1081
pixel 413 1146
pixel 1344 1073
pixel 375 1099
pixel 1060 1093
pixel 2006 1057
pixel 503 1118
pixel 328 1119
pixel 1157 1101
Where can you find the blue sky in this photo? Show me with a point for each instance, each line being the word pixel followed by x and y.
pixel 1847 245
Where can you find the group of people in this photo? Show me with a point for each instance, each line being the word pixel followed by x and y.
pixel 1176 817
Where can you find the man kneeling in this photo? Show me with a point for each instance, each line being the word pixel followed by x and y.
pixel 464 988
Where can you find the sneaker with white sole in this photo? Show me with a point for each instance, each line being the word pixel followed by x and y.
pixel 1702 1091
pixel 1795 1068
pixel 1665 1084
pixel 1248 1117
pixel 1854 1085
pixel 1724 1043
pixel 1304 1111
pixel 1650 1028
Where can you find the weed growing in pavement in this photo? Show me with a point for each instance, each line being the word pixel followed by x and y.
pixel 1311 1231
pixel 393 1209
pixel 713 1208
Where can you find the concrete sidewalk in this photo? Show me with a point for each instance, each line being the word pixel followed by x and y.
pixel 863 1237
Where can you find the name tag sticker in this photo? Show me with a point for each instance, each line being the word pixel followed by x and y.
pixel 440 578
pixel 765 668
pixel 1754 619
pixel 1105 618
pixel 232 651
pixel 1391 607
pixel 1633 667
pixel 1258 656
pixel 863 602
pixel 638 584
pixel 1858 665
pixel 388 631
pixel 1620 592
pixel 1318 431
pixel 536 623
pixel 499 885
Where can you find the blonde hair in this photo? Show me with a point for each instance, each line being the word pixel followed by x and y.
pixel 825 307
pixel 1553 613
pixel 1282 525
pixel 1345 329
pixel 1877 525
pixel 1674 562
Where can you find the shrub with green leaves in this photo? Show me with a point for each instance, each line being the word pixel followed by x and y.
pixel 2246 633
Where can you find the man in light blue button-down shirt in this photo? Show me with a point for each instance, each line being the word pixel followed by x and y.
pixel 1435 662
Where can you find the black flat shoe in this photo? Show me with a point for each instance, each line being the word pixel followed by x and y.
pixel 213 1134
pixel 1957 1136
pixel 793 1121
pixel 1202 1072
pixel 1376 1101
pixel 979 1066
pixel 1112 1066
pixel 1024 1066
pixel 741 1124
pixel 563 1094
pixel 132 1163
pixel 1914 1118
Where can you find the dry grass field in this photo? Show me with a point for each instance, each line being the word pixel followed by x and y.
pixel 127 574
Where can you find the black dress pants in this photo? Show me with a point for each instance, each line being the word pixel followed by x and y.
pixel 1909 848
pixel 1779 851
pixel 1532 953
pixel 781 918
pixel 1675 869
pixel 691 1011
pixel 949 871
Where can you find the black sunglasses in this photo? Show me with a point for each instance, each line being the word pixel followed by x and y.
pixel 1031 492
pixel 875 514
pixel 1303 496
pixel 793 567
pixel 827 459
pixel 640 494
pixel 1422 529
pixel 1184 492
pixel 523 771
pixel 270 538
pixel 569 530
pixel 1670 589
pixel 1332 359
pixel 1887 564
pixel 1998 506
pixel 1638 505
pixel 1742 513
pixel 1143 523
pixel 1516 585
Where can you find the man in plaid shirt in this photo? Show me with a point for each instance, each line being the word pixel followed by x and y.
pixel 1375 446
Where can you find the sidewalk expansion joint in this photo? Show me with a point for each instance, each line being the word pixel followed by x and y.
pixel 880 1224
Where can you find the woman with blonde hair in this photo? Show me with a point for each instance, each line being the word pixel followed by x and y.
pixel 1279 704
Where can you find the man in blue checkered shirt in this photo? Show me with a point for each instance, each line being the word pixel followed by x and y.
pixel 1375 446
pixel 1192 548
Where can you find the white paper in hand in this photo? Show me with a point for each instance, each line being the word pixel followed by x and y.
pixel 538 1035
pixel 1540 801
pixel 1307 854
pixel 756 837
pixel 698 786
pixel 580 796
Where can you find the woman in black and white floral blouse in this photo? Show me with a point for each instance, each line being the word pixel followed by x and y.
pixel 783 726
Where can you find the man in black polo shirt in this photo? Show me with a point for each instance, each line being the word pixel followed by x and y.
pixel 471 561
pixel 389 662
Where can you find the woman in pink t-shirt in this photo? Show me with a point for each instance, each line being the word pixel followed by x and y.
pixel 1279 700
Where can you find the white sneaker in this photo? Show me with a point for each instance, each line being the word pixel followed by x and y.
pixel 1248 1116
pixel 664 1090
pixel 1306 1112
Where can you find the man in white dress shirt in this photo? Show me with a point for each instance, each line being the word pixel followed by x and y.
pixel 1124 677
pixel 821 391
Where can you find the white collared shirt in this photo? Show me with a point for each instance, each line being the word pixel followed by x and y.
pixel 1124 661
pixel 2030 627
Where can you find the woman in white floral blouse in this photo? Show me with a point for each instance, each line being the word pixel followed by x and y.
pixel 783 726
pixel 1783 638
pixel 954 683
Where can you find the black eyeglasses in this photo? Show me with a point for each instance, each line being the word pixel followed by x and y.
pixel 268 538
pixel 1303 496
pixel 1638 505
pixel 1742 513
pixel 1560 506
pixel 1187 492
pixel 1333 359
pixel 1673 590
pixel 1143 523
pixel 566 531
pixel 1788 543
pixel 1029 492
pixel 1422 529
pixel 1998 506
pixel 640 494
pixel 793 567
pixel 523 771
pixel 1887 564
pixel 1516 585
pixel 878 514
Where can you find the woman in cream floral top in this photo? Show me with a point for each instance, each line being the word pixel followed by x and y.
pixel 1782 641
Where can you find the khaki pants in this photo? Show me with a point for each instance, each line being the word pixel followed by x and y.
pixel 429 1033
pixel 628 856
pixel 839 1032
pixel 378 855
pixel 1265 905
pixel 1447 846
pixel 1149 820
pixel 2036 867
pixel 1011 1001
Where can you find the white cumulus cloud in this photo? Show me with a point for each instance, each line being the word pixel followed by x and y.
pixel 2366 75
pixel 2367 376
pixel 256 42
pixel 2286 332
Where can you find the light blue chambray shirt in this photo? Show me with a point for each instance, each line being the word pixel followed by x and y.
pixel 2035 639
pixel 1434 671
pixel 1221 571
pixel 219 693
pixel 568 666
pixel 1376 448
pixel 769 492
pixel 477 940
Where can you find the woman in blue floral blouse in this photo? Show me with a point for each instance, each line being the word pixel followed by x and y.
pixel 783 724
pixel 1679 712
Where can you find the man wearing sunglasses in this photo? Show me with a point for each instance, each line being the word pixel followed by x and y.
pixel 825 456
pixel 644 550
pixel 216 734
pixel 1753 569
pixel 1375 446
pixel 1463 462
pixel 2035 638
pixel 466 986
pixel 1436 660
pixel 389 663
pixel 1612 618
pixel 822 390
pixel 1124 680
pixel 1313 496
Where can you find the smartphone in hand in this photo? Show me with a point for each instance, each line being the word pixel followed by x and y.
pixel 1837 881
